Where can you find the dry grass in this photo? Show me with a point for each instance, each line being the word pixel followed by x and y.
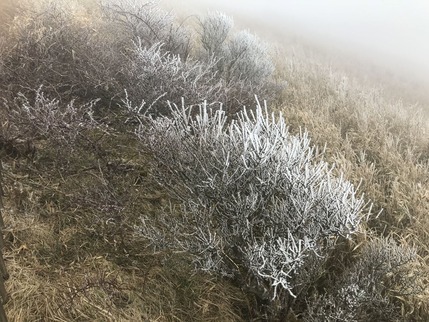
pixel 72 251
pixel 378 142
pixel 65 265
pixel 382 142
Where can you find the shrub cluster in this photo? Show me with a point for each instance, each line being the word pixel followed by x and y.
pixel 258 209
pixel 70 57
pixel 29 124
pixel 250 202
pixel 243 61
pixel 159 76
pixel 371 288
pixel 129 46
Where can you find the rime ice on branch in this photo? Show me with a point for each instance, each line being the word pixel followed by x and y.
pixel 255 201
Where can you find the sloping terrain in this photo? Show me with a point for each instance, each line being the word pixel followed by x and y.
pixel 102 214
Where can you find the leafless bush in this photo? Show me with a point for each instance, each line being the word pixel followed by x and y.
pixel 243 61
pixel 371 289
pixel 27 122
pixel 215 28
pixel 69 54
pixel 248 59
pixel 134 47
pixel 156 73
pixel 150 25
pixel 157 77
pixel 256 206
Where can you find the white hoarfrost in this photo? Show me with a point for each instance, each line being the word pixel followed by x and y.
pixel 256 203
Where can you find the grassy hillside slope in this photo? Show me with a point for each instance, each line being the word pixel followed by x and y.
pixel 86 200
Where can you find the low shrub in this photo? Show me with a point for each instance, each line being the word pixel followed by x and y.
pixel 256 207
pixel 76 54
pixel 157 77
pixel 149 24
pixel 61 130
pixel 243 61
pixel 374 288
pixel 215 29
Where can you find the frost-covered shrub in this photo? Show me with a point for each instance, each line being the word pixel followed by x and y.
pixel 231 71
pixel 48 118
pixel 156 77
pixel 242 57
pixel 146 22
pixel 371 289
pixel 215 28
pixel 243 61
pixel 60 126
pixel 62 48
pixel 256 207
pixel 77 54
pixel 248 59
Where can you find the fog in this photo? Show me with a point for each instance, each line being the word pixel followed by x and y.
pixel 390 35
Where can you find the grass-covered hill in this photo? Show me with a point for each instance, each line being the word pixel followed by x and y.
pixel 155 169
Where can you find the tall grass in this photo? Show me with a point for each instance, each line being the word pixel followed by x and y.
pixel 380 141
pixel 77 80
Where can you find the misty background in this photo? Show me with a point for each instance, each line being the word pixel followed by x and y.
pixel 387 40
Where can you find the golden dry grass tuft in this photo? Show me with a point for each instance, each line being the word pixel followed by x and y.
pixel 71 215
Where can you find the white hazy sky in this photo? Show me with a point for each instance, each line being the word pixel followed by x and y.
pixel 393 34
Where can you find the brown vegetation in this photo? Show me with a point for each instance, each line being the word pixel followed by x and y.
pixel 77 180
